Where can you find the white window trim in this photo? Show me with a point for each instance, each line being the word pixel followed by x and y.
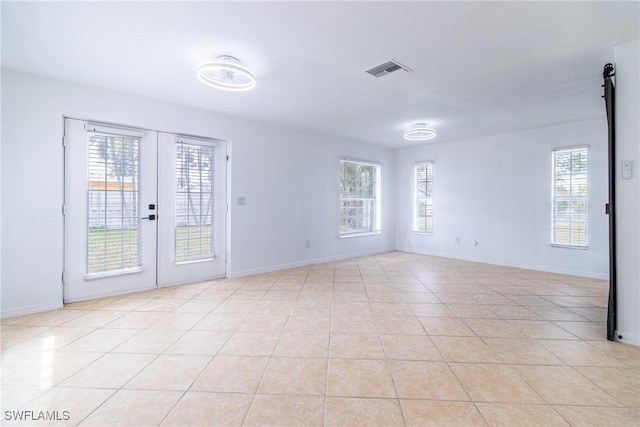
pixel 553 244
pixel 378 200
pixel 415 230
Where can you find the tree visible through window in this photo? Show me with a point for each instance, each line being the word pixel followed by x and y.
pixel 359 198
pixel 570 197
pixel 423 208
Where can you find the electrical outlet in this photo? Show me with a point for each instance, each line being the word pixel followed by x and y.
pixel 307 244
pixel 457 239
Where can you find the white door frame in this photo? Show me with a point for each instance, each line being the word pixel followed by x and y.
pixel 65 243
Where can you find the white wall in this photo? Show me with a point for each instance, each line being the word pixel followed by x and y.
pixel 289 180
pixel 497 191
pixel 627 60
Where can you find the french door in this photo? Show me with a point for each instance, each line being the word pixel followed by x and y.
pixel 142 209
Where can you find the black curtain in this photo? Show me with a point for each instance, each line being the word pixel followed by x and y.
pixel 609 99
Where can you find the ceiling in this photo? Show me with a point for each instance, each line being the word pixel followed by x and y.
pixel 479 68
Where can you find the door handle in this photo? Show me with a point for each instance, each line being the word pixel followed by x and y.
pixel 150 217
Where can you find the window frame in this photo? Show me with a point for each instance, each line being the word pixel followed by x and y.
pixel 376 227
pixel 570 199
pixel 428 199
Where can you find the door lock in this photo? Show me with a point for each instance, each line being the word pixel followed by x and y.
pixel 150 217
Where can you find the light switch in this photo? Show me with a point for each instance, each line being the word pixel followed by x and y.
pixel 241 201
pixel 627 169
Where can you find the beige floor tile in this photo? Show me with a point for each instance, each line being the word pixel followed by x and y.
pixel 621 383
pixel 426 380
pixel 495 383
pixel 353 346
pixel 517 351
pixel 351 309
pixel 149 341
pixel 471 311
pixel 286 411
pixel 199 342
pixel 15 334
pixel 76 402
pixel 410 347
pixel 134 408
pixel 556 313
pixel 495 328
pixel 15 397
pixel 295 376
pixel 220 322
pixel 446 326
pixel 56 338
pixel 586 330
pixel 170 372
pixel 465 349
pixel 52 368
pixel 126 304
pixel 579 353
pixel 161 304
pixel 363 412
pixel 502 414
pixel 560 385
pixel 544 329
pixel 302 345
pixel 513 312
pixel 626 353
pixel 360 378
pixel 230 374
pixel 110 371
pixel 399 325
pixel 391 309
pixel 101 340
pixel 305 324
pixel 135 320
pixel 264 324
pixel 94 319
pixel 178 321
pixel 200 409
pixel 198 306
pixel 249 344
pixel 354 324
pixel 48 318
pixel 600 416
pixel 431 310
pixel 236 306
pixel 440 413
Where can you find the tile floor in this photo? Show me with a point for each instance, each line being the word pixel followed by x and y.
pixel 394 339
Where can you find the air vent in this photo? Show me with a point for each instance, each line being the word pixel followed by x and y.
pixel 383 70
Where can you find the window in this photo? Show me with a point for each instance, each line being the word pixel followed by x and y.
pixel 570 198
pixel 194 200
pixel 113 239
pixel 423 203
pixel 359 198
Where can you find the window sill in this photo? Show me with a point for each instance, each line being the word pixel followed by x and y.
pixel 350 235
pixel 582 248
pixel 422 233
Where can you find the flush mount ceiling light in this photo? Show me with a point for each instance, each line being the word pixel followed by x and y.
pixel 419 132
pixel 226 73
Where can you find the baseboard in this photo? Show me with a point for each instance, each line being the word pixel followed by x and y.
pixel 627 338
pixel 252 272
pixel 545 269
pixel 30 309
pixel 110 294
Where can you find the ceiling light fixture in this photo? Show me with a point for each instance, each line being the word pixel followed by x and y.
pixel 226 73
pixel 419 132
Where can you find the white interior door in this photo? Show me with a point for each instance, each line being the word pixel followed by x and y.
pixel 110 234
pixel 142 209
pixel 192 201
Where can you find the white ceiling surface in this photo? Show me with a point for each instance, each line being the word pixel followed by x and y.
pixel 480 68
